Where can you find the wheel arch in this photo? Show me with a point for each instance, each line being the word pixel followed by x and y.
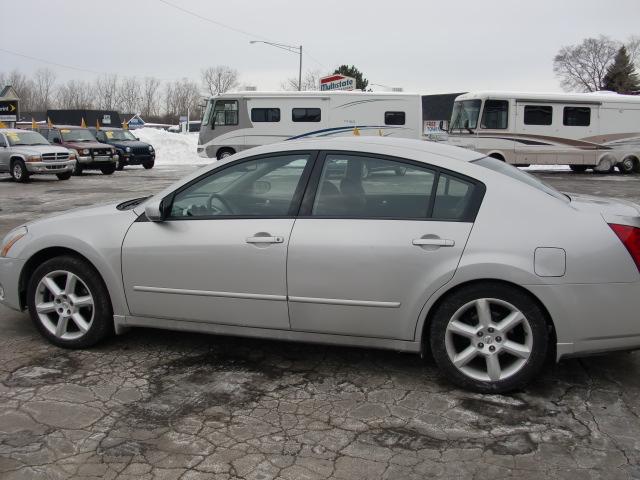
pixel 224 149
pixel 41 256
pixel 442 296
pixel 15 157
pixel 497 155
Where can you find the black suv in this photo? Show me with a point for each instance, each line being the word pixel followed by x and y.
pixel 130 149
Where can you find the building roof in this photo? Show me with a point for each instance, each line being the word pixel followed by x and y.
pixel 9 93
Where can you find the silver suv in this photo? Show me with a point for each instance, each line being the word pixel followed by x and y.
pixel 24 153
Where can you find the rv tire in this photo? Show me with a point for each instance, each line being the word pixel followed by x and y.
pixel 578 168
pixel 628 165
pixel 224 153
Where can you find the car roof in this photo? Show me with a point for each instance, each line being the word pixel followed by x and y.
pixel 15 130
pixel 381 145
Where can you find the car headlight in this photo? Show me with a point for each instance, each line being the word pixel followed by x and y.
pixel 33 158
pixel 85 151
pixel 12 237
pixel 128 149
pixel 151 148
pixel 72 155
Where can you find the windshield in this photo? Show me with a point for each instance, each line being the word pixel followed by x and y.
pixel 26 138
pixel 77 135
pixel 517 174
pixel 119 135
pixel 465 114
pixel 207 113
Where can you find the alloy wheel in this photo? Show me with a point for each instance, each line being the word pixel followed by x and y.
pixel 488 339
pixel 17 171
pixel 64 305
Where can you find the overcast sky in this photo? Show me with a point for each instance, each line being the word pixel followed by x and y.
pixel 425 46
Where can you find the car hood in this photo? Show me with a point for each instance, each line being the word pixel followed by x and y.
pixel 81 145
pixel 129 143
pixel 38 149
pixel 78 213
pixel 607 207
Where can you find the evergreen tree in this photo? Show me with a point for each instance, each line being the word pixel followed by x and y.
pixel 352 71
pixel 621 76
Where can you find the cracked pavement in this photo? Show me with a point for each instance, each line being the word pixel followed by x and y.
pixel 171 405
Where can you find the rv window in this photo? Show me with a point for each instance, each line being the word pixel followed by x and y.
pixel 538 115
pixel 576 116
pixel 207 113
pixel 394 118
pixel 265 114
pixel 495 115
pixel 225 112
pixel 305 114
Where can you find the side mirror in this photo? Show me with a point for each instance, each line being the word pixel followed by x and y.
pixel 157 210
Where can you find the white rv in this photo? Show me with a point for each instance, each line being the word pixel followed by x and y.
pixel 236 121
pixel 593 130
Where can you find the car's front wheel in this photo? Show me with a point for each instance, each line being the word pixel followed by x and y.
pixel 108 169
pixel 148 165
pixel 63 176
pixel 490 338
pixel 19 171
pixel 69 303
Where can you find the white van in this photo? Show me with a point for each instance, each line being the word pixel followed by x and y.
pixel 591 130
pixel 237 121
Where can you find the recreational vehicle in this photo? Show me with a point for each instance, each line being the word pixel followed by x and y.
pixel 594 130
pixel 237 121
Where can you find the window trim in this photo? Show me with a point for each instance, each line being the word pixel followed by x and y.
pixel 306 206
pixel 295 202
pixel 575 107
pixel 539 106
pixel 265 108
pixel 484 111
pixel 213 116
pixel 306 121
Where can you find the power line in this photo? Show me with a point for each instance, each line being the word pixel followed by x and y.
pixel 229 27
pixel 61 65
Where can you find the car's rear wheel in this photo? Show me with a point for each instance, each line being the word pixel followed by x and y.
pixel 19 171
pixel 63 176
pixel 119 165
pixel 148 165
pixel 490 338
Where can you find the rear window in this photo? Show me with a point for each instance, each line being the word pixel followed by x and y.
pixel 517 174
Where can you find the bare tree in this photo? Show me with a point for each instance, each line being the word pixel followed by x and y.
pixel 310 81
pixel 43 82
pixel 633 49
pixel 129 93
pixel 180 96
pixel 219 79
pixel 150 94
pixel 75 95
pixel 106 92
pixel 582 67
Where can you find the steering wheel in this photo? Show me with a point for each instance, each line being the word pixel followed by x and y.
pixel 224 203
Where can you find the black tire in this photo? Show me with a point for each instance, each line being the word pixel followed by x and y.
pixel 119 165
pixel 108 170
pixel 534 317
pixel 224 153
pixel 101 325
pixel 77 170
pixel 578 168
pixel 627 166
pixel 63 176
pixel 148 165
pixel 19 171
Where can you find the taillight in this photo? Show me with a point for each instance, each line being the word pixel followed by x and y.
pixel 630 237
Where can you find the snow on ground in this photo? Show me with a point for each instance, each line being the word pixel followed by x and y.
pixel 171 148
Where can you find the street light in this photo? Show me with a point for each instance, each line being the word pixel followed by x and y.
pixel 288 48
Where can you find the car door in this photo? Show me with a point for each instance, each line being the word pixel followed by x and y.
pixel 220 256
pixel 368 250
pixel 5 154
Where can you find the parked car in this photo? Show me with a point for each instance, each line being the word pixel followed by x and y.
pixel 464 257
pixel 131 151
pixel 24 153
pixel 90 154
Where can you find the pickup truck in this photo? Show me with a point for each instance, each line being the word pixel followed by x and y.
pixel 24 153
pixel 131 151
pixel 91 154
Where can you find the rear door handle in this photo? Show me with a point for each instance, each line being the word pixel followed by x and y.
pixel 265 240
pixel 438 242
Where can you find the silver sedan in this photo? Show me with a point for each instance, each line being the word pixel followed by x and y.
pixel 460 255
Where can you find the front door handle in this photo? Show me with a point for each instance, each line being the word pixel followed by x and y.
pixel 265 240
pixel 437 242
